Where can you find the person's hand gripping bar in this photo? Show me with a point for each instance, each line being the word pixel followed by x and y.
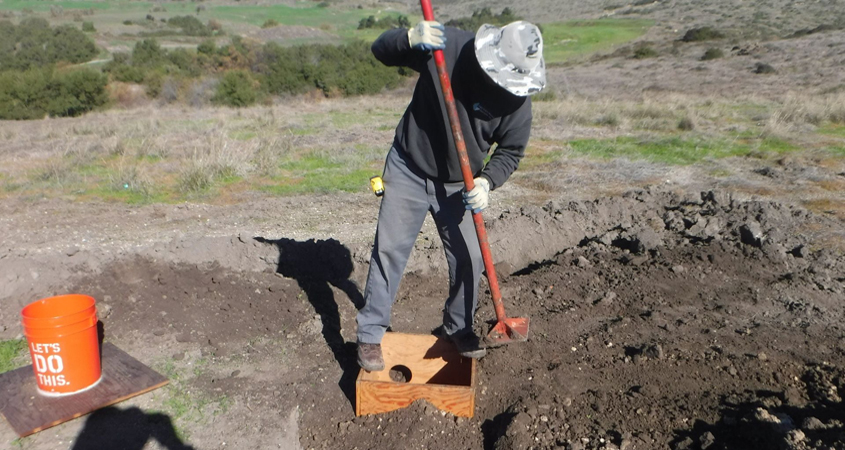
pixel 427 35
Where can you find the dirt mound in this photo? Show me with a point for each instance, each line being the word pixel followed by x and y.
pixel 658 320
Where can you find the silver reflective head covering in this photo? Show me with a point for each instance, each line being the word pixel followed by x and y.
pixel 512 56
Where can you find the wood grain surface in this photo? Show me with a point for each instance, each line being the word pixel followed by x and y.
pixel 28 411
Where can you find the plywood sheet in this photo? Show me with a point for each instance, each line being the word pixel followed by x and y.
pixel 29 412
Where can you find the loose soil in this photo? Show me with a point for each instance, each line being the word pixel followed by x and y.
pixel 658 319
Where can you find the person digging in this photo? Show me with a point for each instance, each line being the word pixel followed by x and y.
pixel 493 72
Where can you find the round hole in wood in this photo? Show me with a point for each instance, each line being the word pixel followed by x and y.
pixel 400 374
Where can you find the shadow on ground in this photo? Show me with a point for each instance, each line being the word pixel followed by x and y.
pixel 127 429
pixel 775 419
pixel 317 265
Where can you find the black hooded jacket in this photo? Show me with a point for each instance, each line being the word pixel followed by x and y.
pixel 488 113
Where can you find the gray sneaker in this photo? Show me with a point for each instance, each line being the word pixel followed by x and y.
pixel 369 357
pixel 468 345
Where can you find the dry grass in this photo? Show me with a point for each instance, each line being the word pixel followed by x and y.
pixel 798 111
pixel 181 152
pixel 169 152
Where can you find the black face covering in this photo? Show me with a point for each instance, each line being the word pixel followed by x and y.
pixel 488 84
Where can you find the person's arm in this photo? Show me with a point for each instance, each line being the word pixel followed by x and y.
pixel 512 140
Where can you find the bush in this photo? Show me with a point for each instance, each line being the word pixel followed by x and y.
pixel 712 53
pixel 215 27
pixel 763 68
pixel 384 22
pixel 270 23
pixel 237 89
pixel 24 95
pixel 207 47
pixel 190 25
pixel 77 92
pixel 686 124
pixel 37 92
pixel 645 52
pixel 348 69
pixel 147 53
pixel 88 27
pixel 33 43
pixel 482 16
pixel 71 45
pixel 152 83
pixel 125 73
pixel 701 34
pixel 171 90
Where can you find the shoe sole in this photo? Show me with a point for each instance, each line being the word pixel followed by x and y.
pixel 475 354
pixel 371 368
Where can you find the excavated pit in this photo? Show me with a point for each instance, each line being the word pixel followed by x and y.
pixel 658 320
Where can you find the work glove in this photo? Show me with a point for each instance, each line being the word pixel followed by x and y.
pixel 479 196
pixel 427 35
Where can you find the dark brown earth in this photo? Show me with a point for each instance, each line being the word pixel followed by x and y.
pixel 694 321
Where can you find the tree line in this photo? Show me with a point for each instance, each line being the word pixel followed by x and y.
pixel 31 83
pixel 40 72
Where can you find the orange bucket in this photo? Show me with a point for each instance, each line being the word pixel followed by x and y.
pixel 63 343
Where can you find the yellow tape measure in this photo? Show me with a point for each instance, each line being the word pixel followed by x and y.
pixel 377 185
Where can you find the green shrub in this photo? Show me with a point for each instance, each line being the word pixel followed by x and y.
pixel 701 34
pixel 37 92
pixel 152 83
pixel 33 43
pixel 270 23
pixel 384 22
pixel 71 45
pixel 645 52
pixel 348 69
pixel 237 88
pixel 712 53
pixel 207 47
pixel 147 53
pixel 185 61
pixel 77 92
pixel 88 27
pixel 482 16
pixel 190 25
pixel 24 94
pixel 126 73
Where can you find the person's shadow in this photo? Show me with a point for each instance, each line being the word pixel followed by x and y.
pixel 127 429
pixel 317 265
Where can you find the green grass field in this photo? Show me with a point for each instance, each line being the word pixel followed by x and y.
pixel 566 40
pixel 563 40
pixel 677 150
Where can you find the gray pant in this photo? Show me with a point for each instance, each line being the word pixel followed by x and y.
pixel 407 198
